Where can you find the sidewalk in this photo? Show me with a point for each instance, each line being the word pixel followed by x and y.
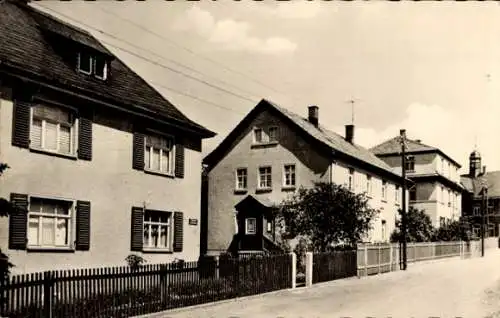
pixel 449 288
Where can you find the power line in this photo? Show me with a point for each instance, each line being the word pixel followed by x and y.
pixel 152 61
pixel 190 50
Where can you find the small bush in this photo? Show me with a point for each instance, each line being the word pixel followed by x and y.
pixel 135 261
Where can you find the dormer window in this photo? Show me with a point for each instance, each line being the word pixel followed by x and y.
pixel 89 64
pixel 85 62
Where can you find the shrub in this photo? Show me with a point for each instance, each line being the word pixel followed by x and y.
pixel 135 261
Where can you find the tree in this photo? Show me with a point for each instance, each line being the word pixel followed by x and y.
pixel 5 209
pixel 325 215
pixel 419 227
pixel 453 231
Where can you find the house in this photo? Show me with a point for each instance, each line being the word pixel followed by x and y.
pixel 268 156
pixel 102 165
pixel 481 197
pixel 436 188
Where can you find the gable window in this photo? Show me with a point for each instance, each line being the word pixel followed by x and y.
pixel 351 179
pixel 384 190
pixel 369 184
pixel 52 129
pixel 159 154
pixel 289 176
pixel 241 179
pixel 250 226
pixel 410 164
pixel 49 222
pixel 413 193
pixel 265 178
pixel 273 134
pixel 85 63
pixel 157 230
pixel 257 133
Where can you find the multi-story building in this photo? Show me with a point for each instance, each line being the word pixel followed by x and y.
pixel 481 197
pixel 101 165
pixel 435 175
pixel 269 155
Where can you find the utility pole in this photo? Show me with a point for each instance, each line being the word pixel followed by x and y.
pixel 402 133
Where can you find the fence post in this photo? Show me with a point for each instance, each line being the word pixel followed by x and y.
pixel 365 256
pixel 390 257
pixel 379 259
pixel 294 270
pixel 47 294
pixel 309 269
pixel 217 268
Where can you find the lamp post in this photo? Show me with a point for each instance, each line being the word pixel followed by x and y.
pixel 402 133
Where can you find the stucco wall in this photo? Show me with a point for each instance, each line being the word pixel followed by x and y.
pixel 112 186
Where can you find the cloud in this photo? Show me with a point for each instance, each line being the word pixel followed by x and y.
pixel 231 34
pixel 451 130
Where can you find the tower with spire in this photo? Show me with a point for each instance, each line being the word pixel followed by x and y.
pixel 474 164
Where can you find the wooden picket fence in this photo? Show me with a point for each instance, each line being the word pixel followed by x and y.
pixel 124 292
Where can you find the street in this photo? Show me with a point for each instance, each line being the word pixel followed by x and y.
pixel 446 288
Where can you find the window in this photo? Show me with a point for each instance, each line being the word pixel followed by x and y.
pixel 257 133
pixel 449 198
pixel 442 195
pixel 89 64
pixel 273 134
pixel 491 209
pixel 265 178
pixel 396 195
pixel 100 68
pixel 442 221
pixel 413 193
pixel 410 163
pixel 52 129
pixel 269 226
pixel 241 179
pixel 476 210
pixel 442 165
pixel 369 184
pixel 85 62
pixel 384 190
pixel 449 170
pixel 289 176
pixel 159 154
pixel 157 230
pixel 49 223
pixel 250 226
pixel 351 179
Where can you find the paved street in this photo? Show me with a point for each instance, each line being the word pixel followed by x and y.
pixel 448 288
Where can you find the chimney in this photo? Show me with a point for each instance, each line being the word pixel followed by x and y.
pixel 313 115
pixel 349 133
pixel 418 140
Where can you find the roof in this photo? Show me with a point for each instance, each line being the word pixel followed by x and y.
pixel 26 49
pixel 393 147
pixel 331 140
pixel 475 185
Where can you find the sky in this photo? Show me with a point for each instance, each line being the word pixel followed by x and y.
pixel 432 68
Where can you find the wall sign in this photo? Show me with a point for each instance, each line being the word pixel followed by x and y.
pixel 193 221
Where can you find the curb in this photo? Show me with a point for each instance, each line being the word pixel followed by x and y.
pixel 166 313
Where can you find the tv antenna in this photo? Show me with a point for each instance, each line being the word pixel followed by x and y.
pixel 352 101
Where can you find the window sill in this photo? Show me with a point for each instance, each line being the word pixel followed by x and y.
pixel 50 249
pixel 264 190
pixel 264 145
pixel 157 251
pixel 159 173
pixel 53 153
pixel 240 191
pixel 288 188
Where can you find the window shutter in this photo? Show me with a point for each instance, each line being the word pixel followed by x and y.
pixel 137 229
pixel 138 151
pixel 85 139
pixel 82 225
pixel 18 221
pixel 179 160
pixel 21 125
pixel 178 231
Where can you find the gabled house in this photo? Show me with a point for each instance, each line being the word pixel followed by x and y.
pixel 481 197
pixel 101 163
pixel 437 188
pixel 268 156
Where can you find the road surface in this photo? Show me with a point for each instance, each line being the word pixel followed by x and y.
pixel 446 288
